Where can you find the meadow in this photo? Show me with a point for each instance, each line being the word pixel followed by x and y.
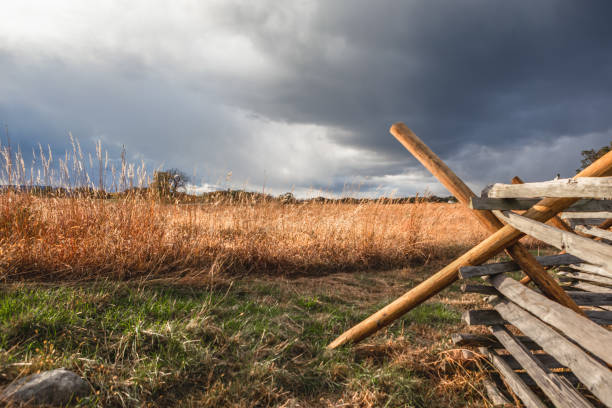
pixel 77 238
pixel 157 302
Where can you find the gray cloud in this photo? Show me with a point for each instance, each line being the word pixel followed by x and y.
pixel 301 94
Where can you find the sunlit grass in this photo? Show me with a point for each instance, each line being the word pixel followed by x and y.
pixel 135 237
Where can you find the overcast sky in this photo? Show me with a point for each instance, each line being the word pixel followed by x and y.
pixel 301 94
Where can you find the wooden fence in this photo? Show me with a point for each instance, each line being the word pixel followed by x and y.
pixel 562 356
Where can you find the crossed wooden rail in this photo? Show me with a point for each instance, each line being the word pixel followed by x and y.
pixel 571 366
pixel 504 237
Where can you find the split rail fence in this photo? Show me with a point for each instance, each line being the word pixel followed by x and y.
pixel 563 354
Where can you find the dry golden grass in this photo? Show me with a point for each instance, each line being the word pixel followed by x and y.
pixel 85 238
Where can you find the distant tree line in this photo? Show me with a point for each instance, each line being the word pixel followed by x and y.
pixel 163 189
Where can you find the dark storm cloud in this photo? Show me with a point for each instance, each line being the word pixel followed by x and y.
pixel 496 88
pixel 487 72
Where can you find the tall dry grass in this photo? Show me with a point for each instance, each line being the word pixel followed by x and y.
pixel 130 237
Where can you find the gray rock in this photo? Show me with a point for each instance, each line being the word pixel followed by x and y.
pixel 55 387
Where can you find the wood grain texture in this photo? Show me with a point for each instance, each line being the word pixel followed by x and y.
pixel 466 272
pixel 556 388
pixel 584 332
pixel 594 375
pixel 588 268
pixel 574 222
pixel 589 287
pixel 518 386
pixel 591 299
pixel 594 231
pixel 482 317
pixel 591 251
pixel 481 340
pixel 585 187
pixel 544 359
pixel 554 221
pixel 589 277
pixel 496 397
pixel 603 298
pixel 482 289
pixel 587 215
pixel 583 205
pixel 603 317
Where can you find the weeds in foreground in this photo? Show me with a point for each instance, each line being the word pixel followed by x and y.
pixel 251 342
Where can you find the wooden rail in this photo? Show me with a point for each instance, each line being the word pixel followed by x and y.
pixel 505 237
pixel 578 344
pixel 568 340
pixel 582 206
pixel 591 187
pixel 566 344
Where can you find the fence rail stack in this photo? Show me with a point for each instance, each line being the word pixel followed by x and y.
pixel 562 308
pixel 561 355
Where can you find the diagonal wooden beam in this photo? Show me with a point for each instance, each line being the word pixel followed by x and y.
pixel 506 236
pixel 463 193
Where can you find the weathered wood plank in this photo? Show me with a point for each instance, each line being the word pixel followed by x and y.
pixel 585 205
pixel 589 277
pixel 587 249
pixel 480 340
pixel 554 221
pixel 560 392
pixel 496 397
pixel 486 203
pixel 603 317
pixel 482 289
pixel 571 378
pixel 596 377
pixel 601 298
pixel 595 231
pixel 482 317
pixel 574 222
pixel 518 386
pixel 588 268
pixel 494 268
pixel 546 360
pixel 589 287
pixel 585 187
pixel 567 375
pixel 568 215
pixel 591 299
pixel 590 205
pixel 586 333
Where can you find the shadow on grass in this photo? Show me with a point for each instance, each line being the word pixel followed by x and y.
pixel 251 343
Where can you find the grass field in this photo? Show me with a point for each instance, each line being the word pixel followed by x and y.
pixel 128 238
pixel 247 342
pixel 231 305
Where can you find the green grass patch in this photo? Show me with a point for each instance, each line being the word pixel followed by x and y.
pixel 251 343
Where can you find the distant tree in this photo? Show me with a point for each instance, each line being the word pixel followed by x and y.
pixel 589 156
pixel 169 181
pixel 178 179
pixel 287 198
